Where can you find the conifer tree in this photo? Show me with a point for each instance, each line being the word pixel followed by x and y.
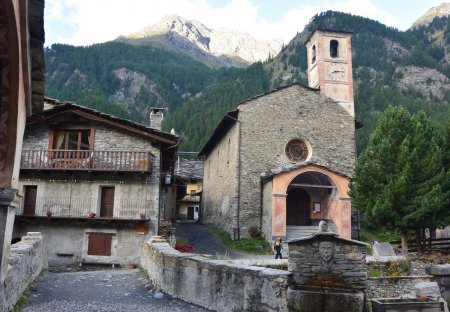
pixel 399 180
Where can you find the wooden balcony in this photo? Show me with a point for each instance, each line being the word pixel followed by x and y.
pixel 86 208
pixel 131 161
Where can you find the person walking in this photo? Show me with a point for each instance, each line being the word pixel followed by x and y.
pixel 277 246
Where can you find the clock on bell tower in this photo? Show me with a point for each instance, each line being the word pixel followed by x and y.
pixel 330 66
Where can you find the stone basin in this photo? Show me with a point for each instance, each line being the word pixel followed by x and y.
pixel 324 299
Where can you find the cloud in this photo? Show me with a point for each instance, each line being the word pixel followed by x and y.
pixel 83 22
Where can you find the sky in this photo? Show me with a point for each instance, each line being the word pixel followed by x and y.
pixel 85 22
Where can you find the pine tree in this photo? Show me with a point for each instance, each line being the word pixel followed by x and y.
pixel 399 180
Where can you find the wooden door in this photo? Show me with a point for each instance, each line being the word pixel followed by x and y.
pixel 190 213
pixel 99 244
pixel 298 207
pixel 29 207
pixel 107 202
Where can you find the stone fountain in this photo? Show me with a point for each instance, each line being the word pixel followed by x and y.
pixel 329 273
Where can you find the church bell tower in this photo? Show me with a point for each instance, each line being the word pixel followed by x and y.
pixel 330 66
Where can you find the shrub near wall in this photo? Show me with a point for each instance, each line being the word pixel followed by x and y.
pixel 214 285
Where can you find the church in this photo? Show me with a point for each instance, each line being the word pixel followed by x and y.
pixel 281 162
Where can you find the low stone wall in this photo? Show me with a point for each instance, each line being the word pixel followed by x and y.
pixel 27 258
pixel 387 287
pixel 215 285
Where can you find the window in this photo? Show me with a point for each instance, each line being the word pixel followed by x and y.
pixel 313 54
pixel 334 48
pixel 296 150
pixel 99 244
pixel 317 208
pixel 78 140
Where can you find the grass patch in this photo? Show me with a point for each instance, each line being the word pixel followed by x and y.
pixel 21 301
pixel 391 268
pixel 254 245
pixel 370 233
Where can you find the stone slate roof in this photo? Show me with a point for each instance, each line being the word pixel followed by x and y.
pixel 61 107
pixel 189 170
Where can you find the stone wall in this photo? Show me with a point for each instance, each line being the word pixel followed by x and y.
pixel 219 198
pixel 215 285
pixel 387 287
pixel 27 259
pixel 67 240
pixel 269 122
pixel 105 139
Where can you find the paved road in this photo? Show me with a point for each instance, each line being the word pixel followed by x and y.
pixel 205 240
pixel 100 291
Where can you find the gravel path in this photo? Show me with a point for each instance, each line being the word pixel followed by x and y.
pixel 100 291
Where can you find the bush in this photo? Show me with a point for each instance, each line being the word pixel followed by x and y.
pixel 254 231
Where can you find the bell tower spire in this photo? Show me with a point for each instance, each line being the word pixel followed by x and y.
pixel 330 66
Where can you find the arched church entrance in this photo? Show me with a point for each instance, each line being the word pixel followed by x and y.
pixel 309 196
pixel 298 205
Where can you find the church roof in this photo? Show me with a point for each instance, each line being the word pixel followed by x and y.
pixel 231 117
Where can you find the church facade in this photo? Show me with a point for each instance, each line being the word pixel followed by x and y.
pixel 281 162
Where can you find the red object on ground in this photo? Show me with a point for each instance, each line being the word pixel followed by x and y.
pixel 184 248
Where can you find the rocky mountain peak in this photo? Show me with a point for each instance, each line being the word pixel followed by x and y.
pixel 427 18
pixel 233 48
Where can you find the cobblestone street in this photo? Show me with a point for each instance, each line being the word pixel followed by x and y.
pixel 100 291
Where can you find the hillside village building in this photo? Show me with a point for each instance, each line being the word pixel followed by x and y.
pixel 189 187
pixel 92 182
pixel 282 161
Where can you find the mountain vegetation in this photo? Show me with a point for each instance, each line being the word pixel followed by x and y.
pixel 401 181
pixel 390 67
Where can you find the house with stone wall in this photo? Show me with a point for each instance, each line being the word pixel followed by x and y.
pixel 282 161
pixel 92 182
pixel 189 186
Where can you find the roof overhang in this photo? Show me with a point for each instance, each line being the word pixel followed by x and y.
pixel 63 108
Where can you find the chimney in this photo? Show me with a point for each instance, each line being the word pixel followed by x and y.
pixel 156 117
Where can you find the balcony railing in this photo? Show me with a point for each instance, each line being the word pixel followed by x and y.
pixel 139 161
pixel 128 209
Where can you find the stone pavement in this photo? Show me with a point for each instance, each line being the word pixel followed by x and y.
pixel 206 242
pixel 100 291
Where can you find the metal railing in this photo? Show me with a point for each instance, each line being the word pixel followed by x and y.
pixel 140 161
pixel 133 209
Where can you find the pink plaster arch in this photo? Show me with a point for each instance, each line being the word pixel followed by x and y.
pixel 283 180
pixel 339 209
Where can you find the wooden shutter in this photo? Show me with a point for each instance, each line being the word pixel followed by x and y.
pixel 100 244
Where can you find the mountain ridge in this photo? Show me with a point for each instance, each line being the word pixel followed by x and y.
pixel 390 68
pixel 441 10
pixel 221 47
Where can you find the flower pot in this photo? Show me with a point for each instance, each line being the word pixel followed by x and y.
pixel 406 305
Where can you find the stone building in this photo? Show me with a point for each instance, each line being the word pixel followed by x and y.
pixel 282 161
pixel 92 183
pixel 189 186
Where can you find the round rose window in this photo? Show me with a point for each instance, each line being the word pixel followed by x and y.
pixel 296 150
